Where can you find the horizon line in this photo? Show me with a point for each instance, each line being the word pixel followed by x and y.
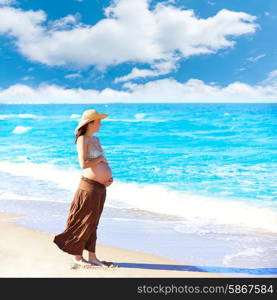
pixel 76 103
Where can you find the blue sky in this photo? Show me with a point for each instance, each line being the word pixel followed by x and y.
pixel 72 51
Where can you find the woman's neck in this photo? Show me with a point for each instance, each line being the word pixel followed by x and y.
pixel 89 134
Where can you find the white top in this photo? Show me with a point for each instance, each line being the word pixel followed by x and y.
pixel 94 147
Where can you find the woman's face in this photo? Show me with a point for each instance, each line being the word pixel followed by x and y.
pixel 94 126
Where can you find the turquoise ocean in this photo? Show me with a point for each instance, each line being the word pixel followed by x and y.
pixel 194 182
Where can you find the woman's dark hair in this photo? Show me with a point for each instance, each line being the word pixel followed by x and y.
pixel 81 131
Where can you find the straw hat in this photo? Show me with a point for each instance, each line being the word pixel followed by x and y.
pixel 88 116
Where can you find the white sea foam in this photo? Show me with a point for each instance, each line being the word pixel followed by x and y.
pixel 14 196
pixel 134 120
pixel 75 116
pixel 196 209
pixel 3 117
pixel 25 116
pixel 137 220
pixel 248 190
pixel 23 158
pixel 140 116
pixel 267 197
pixel 10 147
pixel 29 116
pixel 248 252
pixel 21 129
pixel 67 179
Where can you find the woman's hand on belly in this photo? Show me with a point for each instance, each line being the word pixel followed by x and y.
pixel 102 159
pixel 109 182
pixel 100 172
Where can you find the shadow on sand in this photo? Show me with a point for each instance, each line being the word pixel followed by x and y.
pixel 224 270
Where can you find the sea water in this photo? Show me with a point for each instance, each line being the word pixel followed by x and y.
pixel 193 182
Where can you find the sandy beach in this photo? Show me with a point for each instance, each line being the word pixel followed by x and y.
pixel 31 253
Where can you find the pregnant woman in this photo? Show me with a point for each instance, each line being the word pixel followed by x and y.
pixel 88 202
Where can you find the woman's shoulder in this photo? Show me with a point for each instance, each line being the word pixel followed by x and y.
pixel 81 139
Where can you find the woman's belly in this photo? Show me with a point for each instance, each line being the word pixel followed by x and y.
pixel 101 172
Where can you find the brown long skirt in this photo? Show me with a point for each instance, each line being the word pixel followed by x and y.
pixel 85 211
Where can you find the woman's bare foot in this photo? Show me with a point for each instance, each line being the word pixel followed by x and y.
pixel 95 261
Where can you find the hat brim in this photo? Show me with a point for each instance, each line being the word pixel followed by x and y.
pixel 84 122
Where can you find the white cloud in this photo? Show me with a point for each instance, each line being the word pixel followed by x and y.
pixel 195 90
pixel 164 90
pixel 26 78
pixel 73 75
pixel 160 69
pixel 130 32
pixel 271 78
pixel 8 2
pixel 256 58
pixel 64 23
pixel 20 93
pixel 138 73
pixel 22 25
